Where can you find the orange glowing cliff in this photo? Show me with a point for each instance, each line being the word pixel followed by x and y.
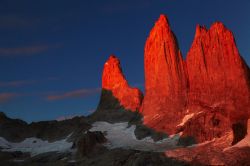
pixel 203 97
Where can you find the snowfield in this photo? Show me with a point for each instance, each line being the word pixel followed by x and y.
pixel 119 135
pixel 35 146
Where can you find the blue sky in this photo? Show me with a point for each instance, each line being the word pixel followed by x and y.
pixel 52 52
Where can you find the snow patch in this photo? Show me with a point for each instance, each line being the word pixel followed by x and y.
pixel 35 146
pixel 119 135
pixel 186 118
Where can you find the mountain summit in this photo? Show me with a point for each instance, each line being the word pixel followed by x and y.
pixel 218 80
pixel 114 81
pixel 165 78
pixel 203 97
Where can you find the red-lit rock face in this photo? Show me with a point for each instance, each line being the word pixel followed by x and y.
pixel 114 80
pixel 218 76
pixel 165 78
pixel 213 84
pixel 204 97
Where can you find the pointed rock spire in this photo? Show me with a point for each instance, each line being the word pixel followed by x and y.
pixel 200 30
pixel 217 73
pixel 114 81
pixel 112 76
pixel 165 77
pixel 204 97
pixel 219 80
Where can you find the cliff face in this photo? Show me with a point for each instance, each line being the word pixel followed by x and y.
pixel 218 76
pixel 203 97
pixel 218 79
pixel 113 80
pixel 165 78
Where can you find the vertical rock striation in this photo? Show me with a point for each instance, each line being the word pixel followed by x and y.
pixel 217 74
pixel 165 78
pixel 203 97
pixel 218 77
pixel 212 85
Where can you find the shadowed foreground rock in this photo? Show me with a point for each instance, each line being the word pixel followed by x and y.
pixel 16 130
pixel 114 157
pixel 216 152
pixel 121 157
pixel 87 143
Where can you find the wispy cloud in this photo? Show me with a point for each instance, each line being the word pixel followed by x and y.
pixel 6 97
pixel 20 83
pixel 80 93
pixel 24 51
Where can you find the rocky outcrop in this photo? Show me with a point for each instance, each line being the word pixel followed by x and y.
pixel 218 77
pixel 213 84
pixel 112 157
pixel 165 79
pixel 216 152
pixel 118 102
pixel 126 157
pixel 114 81
pixel 205 125
pixel 217 73
pixel 89 141
pixel 16 130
